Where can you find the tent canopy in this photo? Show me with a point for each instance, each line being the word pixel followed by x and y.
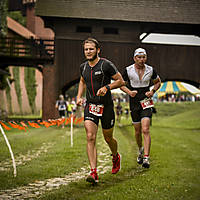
pixel 172 87
pixel 176 87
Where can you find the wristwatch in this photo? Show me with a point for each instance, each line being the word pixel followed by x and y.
pixel 107 87
pixel 154 90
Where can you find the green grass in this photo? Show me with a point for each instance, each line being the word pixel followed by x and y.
pixel 174 172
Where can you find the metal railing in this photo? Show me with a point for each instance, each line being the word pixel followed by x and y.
pixel 33 48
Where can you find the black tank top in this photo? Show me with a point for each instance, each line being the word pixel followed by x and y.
pixel 97 77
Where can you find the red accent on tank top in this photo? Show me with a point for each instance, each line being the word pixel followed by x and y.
pixel 92 83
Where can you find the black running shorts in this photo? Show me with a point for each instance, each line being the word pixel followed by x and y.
pixel 62 113
pixel 138 114
pixel 107 118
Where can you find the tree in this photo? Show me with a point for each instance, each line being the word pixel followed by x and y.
pixel 3 15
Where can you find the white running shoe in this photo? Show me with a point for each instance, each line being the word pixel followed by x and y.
pixel 140 156
pixel 146 163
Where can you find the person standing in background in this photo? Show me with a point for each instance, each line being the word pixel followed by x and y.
pixel 61 105
pixel 119 110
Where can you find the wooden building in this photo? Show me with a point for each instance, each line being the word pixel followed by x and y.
pixel 117 25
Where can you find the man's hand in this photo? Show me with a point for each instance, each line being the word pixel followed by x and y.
pixel 79 101
pixel 149 94
pixel 133 93
pixel 102 91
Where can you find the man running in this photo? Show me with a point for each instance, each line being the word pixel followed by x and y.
pixel 96 75
pixel 138 76
pixel 61 105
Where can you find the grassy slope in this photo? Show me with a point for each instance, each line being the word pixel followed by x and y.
pixel 174 171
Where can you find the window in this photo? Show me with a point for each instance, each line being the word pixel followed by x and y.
pixel 84 29
pixel 111 31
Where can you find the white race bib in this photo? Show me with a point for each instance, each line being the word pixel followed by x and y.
pixel 96 109
pixel 147 103
pixel 62 107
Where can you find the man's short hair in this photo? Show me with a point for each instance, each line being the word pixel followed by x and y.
pixel 93 40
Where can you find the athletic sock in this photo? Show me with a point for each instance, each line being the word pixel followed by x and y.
pixel 94 170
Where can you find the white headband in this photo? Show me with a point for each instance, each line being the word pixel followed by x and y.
pixel 140 51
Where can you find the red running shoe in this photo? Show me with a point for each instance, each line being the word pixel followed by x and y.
pixel 116 163
pixel 93 177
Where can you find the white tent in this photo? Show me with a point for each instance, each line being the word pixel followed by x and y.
pixel 191 88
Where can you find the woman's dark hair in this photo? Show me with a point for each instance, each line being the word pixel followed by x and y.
pixel 88 40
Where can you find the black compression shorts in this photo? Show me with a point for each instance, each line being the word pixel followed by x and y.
pixel 107 118
pixel 138 114
pixel 62 113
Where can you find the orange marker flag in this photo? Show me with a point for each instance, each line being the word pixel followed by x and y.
pixel 52 122
pixel 67 121
pixel 22 128
pixel 32 124
pixel 60 121
pixel 13 125
pixel 46 124
pixel 79 120
pixel 23 124
pixel 6 127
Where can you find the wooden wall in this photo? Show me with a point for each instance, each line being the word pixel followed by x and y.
pixel 172 62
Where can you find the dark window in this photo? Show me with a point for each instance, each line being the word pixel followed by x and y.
pixel 111 31
pixel 84 29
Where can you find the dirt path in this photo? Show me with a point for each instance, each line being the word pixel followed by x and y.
pixel 37 188
pixel 22 159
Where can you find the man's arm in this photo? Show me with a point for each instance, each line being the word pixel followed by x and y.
pixel 131 93
pixel 117 83
pixel 81 89
pixel 125 89
pixel 56 106
pixel 157 84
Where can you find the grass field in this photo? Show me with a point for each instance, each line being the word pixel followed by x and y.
pixel 49 168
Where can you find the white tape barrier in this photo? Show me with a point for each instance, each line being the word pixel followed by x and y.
pixel 11 153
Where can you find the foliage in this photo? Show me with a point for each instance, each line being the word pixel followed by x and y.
pixel 30 83
pixel 16 75
pixel 3 14
pixel 3 81
pixel 72 91
pixel 9 100
pixel 17 16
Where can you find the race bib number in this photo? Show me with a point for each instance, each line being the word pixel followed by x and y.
pixel 96 109
pixel 62 107
pixel 147 103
